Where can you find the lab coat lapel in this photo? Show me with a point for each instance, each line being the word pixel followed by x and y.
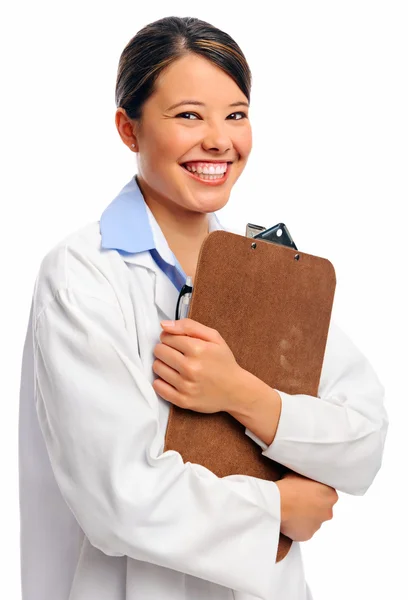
pixel 165 293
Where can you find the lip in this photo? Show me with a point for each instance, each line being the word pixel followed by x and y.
pixel 211 182
pixel 209 160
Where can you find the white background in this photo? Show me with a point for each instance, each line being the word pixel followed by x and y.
pixel 329 114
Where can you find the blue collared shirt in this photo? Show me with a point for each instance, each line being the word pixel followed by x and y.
pixel 128 226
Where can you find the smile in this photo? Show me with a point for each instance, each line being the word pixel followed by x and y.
pixel 208 173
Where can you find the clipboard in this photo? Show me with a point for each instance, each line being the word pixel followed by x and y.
pixel 272 305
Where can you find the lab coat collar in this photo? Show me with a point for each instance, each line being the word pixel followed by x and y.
pixel 128 226
pixel 124 224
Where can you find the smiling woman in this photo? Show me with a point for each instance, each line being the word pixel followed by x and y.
pixel 105 513
pixel 178 110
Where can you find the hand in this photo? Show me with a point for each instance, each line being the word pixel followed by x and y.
pixel 196 369
pixel 305 504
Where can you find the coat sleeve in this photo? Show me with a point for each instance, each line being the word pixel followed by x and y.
pixel 338 437
pixel 98 415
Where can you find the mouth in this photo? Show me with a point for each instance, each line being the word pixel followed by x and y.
pixel 208 173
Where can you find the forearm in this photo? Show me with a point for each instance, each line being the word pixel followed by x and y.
pixel 256 405
pixel 331 443
pixel 338 436
pixel 316 437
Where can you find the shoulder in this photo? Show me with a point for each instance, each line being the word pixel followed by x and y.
pixel 77 262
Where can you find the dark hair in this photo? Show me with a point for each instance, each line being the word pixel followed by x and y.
pixel 159 44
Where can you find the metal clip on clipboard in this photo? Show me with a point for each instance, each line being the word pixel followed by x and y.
pixel 252 231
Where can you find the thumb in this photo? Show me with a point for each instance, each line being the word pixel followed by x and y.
pixel 192 329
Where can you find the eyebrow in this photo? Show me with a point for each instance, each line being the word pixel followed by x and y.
pixel 196 103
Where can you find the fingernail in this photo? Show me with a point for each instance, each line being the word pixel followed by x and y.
pixel 167 323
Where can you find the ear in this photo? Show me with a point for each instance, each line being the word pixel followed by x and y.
pixel 127 129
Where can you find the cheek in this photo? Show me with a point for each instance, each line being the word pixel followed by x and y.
pixel 157 154
pixel 158 147
pixel 243 142
pixel 170 143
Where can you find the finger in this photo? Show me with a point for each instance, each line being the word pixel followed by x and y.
pixel 166 373
pixel 167 392
pixel 171 357
pixel 192 329
pixel 186 345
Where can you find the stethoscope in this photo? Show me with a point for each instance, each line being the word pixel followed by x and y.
pixel 183 301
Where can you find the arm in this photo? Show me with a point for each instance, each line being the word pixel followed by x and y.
pixel 336 438
pixel 98 415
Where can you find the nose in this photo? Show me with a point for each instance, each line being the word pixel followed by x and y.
pixel 216 138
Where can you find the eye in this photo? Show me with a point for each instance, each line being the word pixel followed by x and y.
pixel 240 115
pixel 187 115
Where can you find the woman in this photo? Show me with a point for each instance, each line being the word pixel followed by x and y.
pixel 105 515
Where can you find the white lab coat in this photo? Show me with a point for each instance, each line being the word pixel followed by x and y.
pixel 105 515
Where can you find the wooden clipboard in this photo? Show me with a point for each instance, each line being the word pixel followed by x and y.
pixel 272 305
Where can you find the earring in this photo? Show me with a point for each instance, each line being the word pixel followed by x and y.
pixel 132 146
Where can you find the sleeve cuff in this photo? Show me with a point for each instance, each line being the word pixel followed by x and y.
pixel 299 426
pixel 295 417
pixel 256 439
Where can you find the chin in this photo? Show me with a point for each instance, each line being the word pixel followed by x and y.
pixel 210 204
pixel 208 200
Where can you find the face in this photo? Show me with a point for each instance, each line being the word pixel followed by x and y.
pixel 194 138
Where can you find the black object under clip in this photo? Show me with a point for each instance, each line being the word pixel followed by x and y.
pixel 186 289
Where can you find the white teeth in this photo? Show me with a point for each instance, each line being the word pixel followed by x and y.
pixel 206 177
pixel 207 170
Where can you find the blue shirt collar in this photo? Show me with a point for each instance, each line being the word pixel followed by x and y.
pixel 128 225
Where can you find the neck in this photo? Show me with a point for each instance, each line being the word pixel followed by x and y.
pixel 185 231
